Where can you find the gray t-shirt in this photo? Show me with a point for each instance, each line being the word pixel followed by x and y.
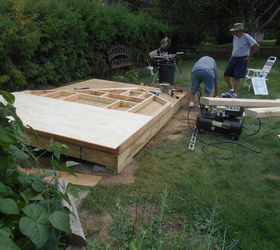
pixel 242 45
pixel 207 64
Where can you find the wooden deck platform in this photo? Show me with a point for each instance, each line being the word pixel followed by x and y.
pixel 108 123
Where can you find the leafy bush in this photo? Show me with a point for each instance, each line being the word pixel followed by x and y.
pixel 30 209
pixel 48 41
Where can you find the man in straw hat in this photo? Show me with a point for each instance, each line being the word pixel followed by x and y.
pixel 244 47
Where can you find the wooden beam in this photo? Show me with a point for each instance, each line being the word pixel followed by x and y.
pixel 160 100
pixel 97 98
pixel 141 104
pixel 124 98
pixel 263 112
pixel 239 102
pixel 162 109
pixel 90 92
pixel 71 98
pixel 119 103
pixel 39 92
pixel 86 180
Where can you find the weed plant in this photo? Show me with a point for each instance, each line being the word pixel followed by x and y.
pixel 157 233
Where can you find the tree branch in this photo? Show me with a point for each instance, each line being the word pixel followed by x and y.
pixel 276 11
pixel 265 11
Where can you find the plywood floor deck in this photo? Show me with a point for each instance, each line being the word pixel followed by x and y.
pixel 108 123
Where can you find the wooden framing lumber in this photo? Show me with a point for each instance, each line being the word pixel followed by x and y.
pixel 71 98
pixel 128 152
pixel 263 112
pixel 98 137
pixel 124 97
pixel 86 180
pixel 141 104
pixel 239 102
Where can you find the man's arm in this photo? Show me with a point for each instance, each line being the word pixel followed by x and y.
pixel 216 89
pixel 254 49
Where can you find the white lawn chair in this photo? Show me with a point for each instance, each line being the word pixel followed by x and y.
pixel 259 72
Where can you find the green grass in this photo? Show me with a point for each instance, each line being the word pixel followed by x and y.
pixel 198 181
pixel 268 42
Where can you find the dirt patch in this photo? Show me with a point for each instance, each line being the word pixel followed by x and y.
pixel 95 225
pixel 125 177
pixel 175 128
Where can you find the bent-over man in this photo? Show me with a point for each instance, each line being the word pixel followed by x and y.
pixel 204 70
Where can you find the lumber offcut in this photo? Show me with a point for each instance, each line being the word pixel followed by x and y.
pixel 263 112
pixel 239 102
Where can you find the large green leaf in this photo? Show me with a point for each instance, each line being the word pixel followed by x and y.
pixel 71 164
pixel 60 220
pixel 38 186
pixel 57 148
pixel 5 231
pixel 4 122
pixel 7 138
pixel 5 190
pixel 7 96
pixel 34 230
pixel 7 244
pixel 19 154
pixel 8 206
pixel 36 212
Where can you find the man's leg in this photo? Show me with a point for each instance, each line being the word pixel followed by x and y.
pixel 195 77
pixel 236 83
pixel 228 81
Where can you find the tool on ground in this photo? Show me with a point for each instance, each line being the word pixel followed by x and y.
pixel 193 139
pixel 81 88
pixel 156 92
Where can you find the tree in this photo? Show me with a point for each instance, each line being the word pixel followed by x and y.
pixel 256 15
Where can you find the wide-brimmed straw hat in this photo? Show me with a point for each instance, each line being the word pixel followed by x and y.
pixel 237 26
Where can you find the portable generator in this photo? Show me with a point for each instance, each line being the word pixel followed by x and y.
pixel 221 119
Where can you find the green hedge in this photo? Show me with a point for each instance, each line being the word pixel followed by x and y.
pixel 57 41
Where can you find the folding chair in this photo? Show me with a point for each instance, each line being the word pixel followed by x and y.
pixel 259 72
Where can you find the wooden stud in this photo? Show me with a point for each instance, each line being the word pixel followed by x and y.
pixel 263 112
pixel 239 102
pixel 141 104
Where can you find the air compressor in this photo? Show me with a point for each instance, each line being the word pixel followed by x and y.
pixel 221 119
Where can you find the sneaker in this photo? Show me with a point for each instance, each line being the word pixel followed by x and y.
pixel 191 105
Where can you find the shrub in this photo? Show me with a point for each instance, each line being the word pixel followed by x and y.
pixel 30 209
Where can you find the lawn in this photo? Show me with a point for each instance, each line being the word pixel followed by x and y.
pixel 210 198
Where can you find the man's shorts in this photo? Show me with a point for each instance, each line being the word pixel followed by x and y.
pixel 199 76
pixel 237 67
